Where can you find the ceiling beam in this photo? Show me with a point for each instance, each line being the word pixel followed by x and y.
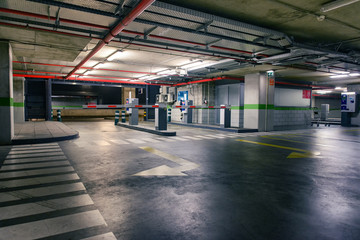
pixel 113 32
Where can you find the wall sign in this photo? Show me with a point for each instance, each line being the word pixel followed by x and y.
pixel 307 94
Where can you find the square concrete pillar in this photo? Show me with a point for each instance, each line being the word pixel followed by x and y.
pixel 6 94
pixel 259 101
pixel 19 99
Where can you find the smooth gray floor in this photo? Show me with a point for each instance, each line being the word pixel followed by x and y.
pixel 205 184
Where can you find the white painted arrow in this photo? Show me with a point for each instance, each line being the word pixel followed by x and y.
pixel 164 170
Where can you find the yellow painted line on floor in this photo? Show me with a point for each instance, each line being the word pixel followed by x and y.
pixel 294 141
pixel 351 130
pixel 303 154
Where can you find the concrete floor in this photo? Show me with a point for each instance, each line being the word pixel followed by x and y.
pixel 204 184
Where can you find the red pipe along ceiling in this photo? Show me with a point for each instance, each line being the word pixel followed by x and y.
pixel 113 32
pixel 79 79
pixel 127 43
pixel 125 31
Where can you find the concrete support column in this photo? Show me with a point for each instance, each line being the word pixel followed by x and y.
pixel 48 99
pixel 6 94
pixel 19 99
pixel 259 101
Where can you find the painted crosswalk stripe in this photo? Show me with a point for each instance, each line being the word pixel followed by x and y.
pixel 215 136
pixel 41 196
pixel 166 139
pixel 191 138
pixel 105 236
pixel 28 173
pixel 40 192
pixel 102 143
pixel 38 180
pixel 35 151
pixel 17 156
pixel 34 148
pixel 35 145
pixel 34 165
pixel 204 137
pixel 27 209
pixel 35 159
pixel 119 141
pixel 52 226
pixel 134 140
pixel 180 139
pixel 151 140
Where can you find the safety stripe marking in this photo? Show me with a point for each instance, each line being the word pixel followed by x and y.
pixel 42 199
pixel 105 236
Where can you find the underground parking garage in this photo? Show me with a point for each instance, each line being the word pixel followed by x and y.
pixel 143 119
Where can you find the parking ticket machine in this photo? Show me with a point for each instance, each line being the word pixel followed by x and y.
pixel 348 106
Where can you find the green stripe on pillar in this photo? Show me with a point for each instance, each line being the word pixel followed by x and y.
pixel 19 104
pixel 237 107
pixel 258 106
pixel 6 102
pixel 292 108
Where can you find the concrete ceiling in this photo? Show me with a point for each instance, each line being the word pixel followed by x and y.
pixel 184 40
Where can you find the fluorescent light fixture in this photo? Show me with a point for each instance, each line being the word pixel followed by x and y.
pixel 149 77
pixel 99 65
pixel 192 64
pixel 210 64
pixel 323 91
pixel 354 74
pixel 86 73
pixel 348 93
pixel 115 55
pixel 339 76
pixel 339 88
pixel 167 72
pixel 336 4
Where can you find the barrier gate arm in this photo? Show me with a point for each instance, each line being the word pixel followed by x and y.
pixel 114 106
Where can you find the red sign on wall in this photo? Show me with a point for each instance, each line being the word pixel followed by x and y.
pixel 271 81
pixel 307 94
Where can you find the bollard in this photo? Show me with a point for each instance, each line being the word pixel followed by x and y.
pixel 169 115
pixel 59 115
pixel 117 114
pixel 123 119
pixel 52 115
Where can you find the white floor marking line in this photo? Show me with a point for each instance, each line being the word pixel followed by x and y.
pixel 192 138
pixel 118 141
pixel 42 191
pixel 33 165
pixel 34 148
pixel 164 170
pixel 166 139
pixel 38 180
pixel 52 226
pixel 35 145
pixel 151 140
pixel 35 172
pixel 101 143
pixel 134 140
pixel 27 209
pixel 105 236
pixel 35 159
pixel 14 156
pixel 203 137
pixel 180 138
pixel 35 151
